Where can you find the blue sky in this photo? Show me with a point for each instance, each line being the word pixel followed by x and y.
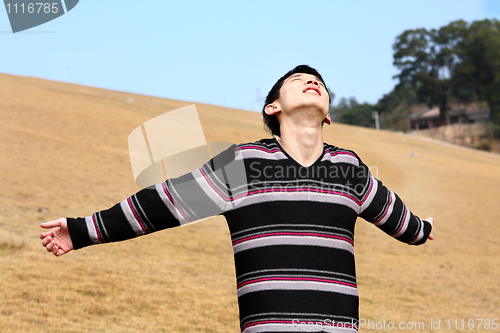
pixel 226 53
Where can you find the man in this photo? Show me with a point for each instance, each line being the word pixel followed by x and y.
pixel 291 219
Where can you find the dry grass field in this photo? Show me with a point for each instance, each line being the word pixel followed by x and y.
pixel 63 151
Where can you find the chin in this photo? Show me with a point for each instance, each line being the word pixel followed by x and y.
pixel 319 107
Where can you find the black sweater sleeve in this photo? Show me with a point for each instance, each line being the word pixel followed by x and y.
pixel 196 195
pixel 386 210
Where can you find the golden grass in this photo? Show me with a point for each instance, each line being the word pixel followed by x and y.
pixel 64 153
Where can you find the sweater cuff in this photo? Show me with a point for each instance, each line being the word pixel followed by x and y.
pixel 427 231
pixel 78 232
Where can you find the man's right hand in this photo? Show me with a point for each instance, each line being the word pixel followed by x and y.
pixel 56 240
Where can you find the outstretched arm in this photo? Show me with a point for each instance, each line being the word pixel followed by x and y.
pixel 191 197
pixel 150 210
pixel 58 240
pixel 384 208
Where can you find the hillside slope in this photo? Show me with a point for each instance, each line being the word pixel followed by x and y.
pixel 64 153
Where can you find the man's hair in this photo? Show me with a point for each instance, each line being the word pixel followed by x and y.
pixel 271 123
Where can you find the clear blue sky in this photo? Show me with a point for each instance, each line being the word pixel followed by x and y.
pixel 226 53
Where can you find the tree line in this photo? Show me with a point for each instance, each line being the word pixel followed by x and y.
pixel 457 63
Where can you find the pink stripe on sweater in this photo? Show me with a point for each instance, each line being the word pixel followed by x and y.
pixel 213 186
pixel 300 189
pixel 172 200
pixel 97 229
pixel 135 214
pixel 294 234
pixel 259 148
pixel 368 192
pixel 263 322
pixel 402 223
pixel 267 322
pixel 341 153
pixel 386 210
pixel 296 279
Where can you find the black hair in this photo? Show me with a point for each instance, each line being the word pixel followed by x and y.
pixel 271 123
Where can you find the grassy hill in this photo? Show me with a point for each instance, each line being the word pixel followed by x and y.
pixel 63 151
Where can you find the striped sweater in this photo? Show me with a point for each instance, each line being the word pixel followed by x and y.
pixel 292 229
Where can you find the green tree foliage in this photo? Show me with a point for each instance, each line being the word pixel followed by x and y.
pixel 478 72
pixel 349 111
pixel 427 60
pixel 459 62
pixel 344 104
pixel 395 107
pixel 360 115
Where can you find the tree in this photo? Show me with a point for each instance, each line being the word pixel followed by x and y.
pixel 458 62
pixel 395 107
pixel 359 115
pixel 478 72
pixel 426 60
pixel 345 104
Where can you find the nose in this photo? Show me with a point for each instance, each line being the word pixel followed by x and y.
pixel 313 81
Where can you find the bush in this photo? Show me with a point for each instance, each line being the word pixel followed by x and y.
pixel 486 144
pixel 495 130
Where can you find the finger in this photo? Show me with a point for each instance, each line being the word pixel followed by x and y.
pixel 46 234
pixel 431 237
pixel 59 252
pixel 49 235
pixel 51 224
pixel 46 240
pixel 54 250
pixel 50 246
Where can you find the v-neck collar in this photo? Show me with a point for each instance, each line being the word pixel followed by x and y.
pixel 294 161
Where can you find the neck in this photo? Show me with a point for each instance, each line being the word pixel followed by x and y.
pixel 303 141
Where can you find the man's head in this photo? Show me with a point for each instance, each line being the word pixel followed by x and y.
pixel 307 76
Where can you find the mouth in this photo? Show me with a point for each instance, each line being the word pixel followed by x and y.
pixel 312 90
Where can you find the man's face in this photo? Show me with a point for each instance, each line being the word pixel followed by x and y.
pixel 303 91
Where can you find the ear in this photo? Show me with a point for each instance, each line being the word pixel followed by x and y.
pixel 272 109
pixel 327 119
